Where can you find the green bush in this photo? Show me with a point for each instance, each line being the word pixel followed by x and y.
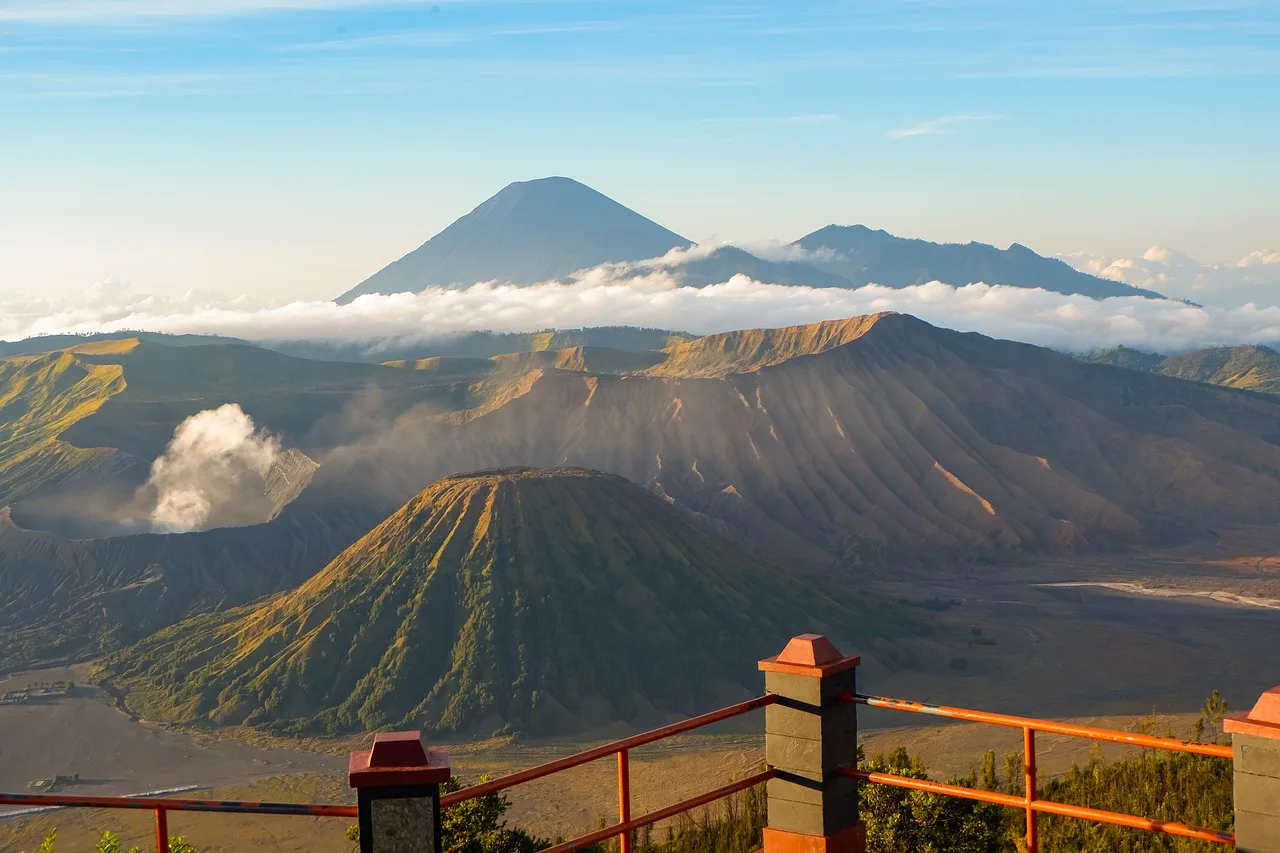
pixel 110 843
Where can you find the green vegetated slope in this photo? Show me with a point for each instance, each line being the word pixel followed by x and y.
pixel 41 396
pixel 1253 368
pixel 508 600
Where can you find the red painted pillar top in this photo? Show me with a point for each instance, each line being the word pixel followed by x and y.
pixel 1262 721
pixel 398 759
pixel 810 654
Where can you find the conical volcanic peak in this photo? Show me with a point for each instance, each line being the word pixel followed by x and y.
pixel 529 232
pixel 508 599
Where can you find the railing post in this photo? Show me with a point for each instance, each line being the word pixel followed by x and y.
pixel 162 831
pixel 624 798
pixel 1255 741
pixel 1029 784
pixel 809 735
pixel 398 790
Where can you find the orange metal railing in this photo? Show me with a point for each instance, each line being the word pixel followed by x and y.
pixel 161 806
pixel 626 824
pixel 622 748
pixel 1029 802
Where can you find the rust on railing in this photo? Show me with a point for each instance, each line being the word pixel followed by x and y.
pixel 1029 802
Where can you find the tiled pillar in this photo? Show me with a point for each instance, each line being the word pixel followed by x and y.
pixel 1255 739
pixel 809 734
pixel 398 789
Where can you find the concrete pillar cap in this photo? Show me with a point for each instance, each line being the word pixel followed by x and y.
pixel 398 759
pixel 809 654
pixel 1263 720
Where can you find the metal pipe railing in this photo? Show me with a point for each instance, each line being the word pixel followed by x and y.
pixel 626 824
pixel 1215 750
pixel 1046 806
pixel 178 805
pixel 621 748
pixel 626 828
pixel 161 806
pixel 1029 801
pixel 606 750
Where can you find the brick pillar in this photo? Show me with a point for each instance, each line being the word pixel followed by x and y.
pixel 398 788
pixel 1255 738
pixel 809 733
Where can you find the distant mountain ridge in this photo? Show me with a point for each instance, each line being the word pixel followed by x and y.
pixel 547 229
pixel 865 256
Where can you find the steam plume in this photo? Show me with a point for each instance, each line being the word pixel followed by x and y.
pixel 213 472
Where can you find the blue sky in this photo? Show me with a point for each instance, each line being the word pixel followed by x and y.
pixel 292 147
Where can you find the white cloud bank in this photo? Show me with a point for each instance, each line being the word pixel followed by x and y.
pixel 1254 278
pixel 649 294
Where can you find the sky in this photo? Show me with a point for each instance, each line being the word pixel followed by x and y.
pixel 287 149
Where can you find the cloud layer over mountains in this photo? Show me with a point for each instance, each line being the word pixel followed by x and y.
pixel 1254 278
pixel 648 293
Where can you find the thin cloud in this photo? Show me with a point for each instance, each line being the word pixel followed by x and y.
pixel 945 124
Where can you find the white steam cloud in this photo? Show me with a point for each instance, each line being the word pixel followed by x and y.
pixel 212 472
pixel 650 293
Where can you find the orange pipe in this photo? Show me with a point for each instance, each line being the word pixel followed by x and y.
pixel 176 805
pixel 1047 806
pixel 1111 735
pixel 624 798
pixel 662 814
pixel 1029 783
pixel 605 750
pixel 162 831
